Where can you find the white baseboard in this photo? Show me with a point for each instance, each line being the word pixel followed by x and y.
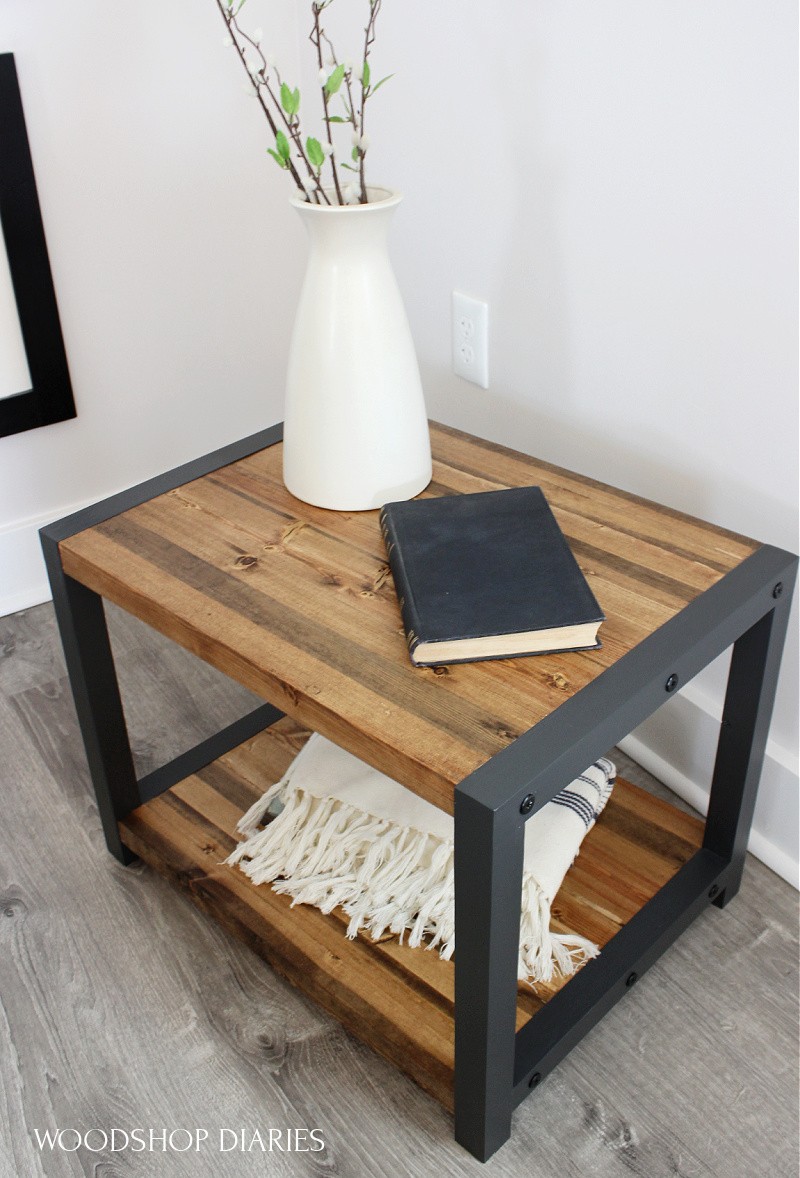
pixel 35 594
pixel 677 745
pixel 23 579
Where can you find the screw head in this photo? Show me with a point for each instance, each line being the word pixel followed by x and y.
pixel 631 979
pixel 527 803
pixel 671 683
pixel 713 891
pixel 778 590
pixel 534 1080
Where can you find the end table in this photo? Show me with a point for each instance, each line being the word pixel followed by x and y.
pixel 297 604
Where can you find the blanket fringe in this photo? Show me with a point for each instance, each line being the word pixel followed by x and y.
pixel 544 954
pixel 386 878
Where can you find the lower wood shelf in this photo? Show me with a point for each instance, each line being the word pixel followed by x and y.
pixel 397 1000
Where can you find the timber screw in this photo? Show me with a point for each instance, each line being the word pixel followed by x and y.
pixel 713 891
pixel 534 1080
pixel 527 804
pixel 671 683
pixel 631 979
pixel 776 592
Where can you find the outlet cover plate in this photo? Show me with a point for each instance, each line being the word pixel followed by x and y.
pixel 470 332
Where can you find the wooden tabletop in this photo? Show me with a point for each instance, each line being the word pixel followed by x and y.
pixel 297 603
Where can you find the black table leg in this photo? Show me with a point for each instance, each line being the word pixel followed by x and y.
pixel 488 885
pixel 90 666
pixel 749 699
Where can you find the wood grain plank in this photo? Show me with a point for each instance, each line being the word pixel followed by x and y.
pixel 510 468
pixel 296 603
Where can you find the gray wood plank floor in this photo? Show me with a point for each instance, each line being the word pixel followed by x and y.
pixel 122 1006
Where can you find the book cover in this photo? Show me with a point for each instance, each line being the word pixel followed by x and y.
pixel 487 575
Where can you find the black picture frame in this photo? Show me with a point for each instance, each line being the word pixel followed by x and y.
pixel 50 399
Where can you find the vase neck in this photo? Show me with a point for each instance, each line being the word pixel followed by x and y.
pixel 349 228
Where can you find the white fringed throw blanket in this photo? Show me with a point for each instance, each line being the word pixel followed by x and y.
pixel 349 836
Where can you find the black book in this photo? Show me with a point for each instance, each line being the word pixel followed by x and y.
pixel 486 576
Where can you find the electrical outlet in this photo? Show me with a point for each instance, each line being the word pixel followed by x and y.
pixel 471 339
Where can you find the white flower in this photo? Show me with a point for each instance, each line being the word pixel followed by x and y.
pixel 248 89
pixel 253 67
pixel 323 76
pixel 270 58
pixel 351 194
pixel 228 42
pixel 360 141
pixel 360 71
pixel 257 35
pixel 328 148
pixel 309 183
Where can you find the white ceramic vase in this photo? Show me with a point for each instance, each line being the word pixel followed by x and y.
pixel 355 428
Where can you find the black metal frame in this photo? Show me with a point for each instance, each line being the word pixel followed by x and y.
pixel 495 1066
pixel 50 399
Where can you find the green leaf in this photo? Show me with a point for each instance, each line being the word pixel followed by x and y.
pixel 337 119
pixel 282 144
pixel 281 163
pixel 365 76
pixel 290 100
pixel 349 167
pixel 334 81
pixel 378 86
pixel 316 156
pixel 354 154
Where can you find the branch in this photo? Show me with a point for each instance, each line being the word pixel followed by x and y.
pixel 257 81
pixel 317 40
pixel 369 37
pixel 348 104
